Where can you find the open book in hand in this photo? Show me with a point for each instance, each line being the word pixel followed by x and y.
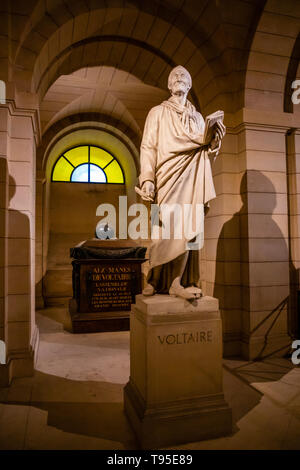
pixel 210 122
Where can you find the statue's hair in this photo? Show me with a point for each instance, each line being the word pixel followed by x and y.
pixel 174 70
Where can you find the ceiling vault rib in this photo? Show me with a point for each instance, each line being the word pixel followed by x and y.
pixel 114 38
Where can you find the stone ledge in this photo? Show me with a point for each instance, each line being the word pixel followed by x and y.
pixel 165 427
pixel 164 308
pixel 168 409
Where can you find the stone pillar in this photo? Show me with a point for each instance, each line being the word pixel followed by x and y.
pixel 293 170
pixel 18 138
pixel 175 391
pixel 222 243
pixel 39 271
pixel 264 241
pixel 4 143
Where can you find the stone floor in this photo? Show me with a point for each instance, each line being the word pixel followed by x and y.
pixel 74 400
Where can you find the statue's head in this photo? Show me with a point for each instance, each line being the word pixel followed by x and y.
pixel 179 80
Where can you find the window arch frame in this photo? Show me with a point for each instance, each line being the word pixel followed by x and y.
pixel 62 155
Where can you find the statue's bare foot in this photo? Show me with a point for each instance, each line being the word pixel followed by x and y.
pixel 195 290
pixel 180 291
pixel 149 290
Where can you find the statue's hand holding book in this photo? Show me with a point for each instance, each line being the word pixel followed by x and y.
pixel 214 129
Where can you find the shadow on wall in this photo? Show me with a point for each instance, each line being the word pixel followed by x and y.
pixel 15 253
pixel 251 275
pixel 19 256
pixel 3 204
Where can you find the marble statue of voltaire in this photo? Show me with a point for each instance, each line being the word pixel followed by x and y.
pixel 176 169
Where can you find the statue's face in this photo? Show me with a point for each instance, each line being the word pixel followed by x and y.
pixel 179 81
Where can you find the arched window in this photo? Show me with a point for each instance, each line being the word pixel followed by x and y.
pixel 87 164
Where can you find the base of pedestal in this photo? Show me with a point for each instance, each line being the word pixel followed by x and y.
pixel 97 322
pixel 184 421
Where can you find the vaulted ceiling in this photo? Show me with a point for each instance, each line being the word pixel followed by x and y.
pixel 113 57
pixel 118 94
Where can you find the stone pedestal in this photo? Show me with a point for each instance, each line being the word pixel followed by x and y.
pixel 175 392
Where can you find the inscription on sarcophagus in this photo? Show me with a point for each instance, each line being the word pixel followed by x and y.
pixel 111 288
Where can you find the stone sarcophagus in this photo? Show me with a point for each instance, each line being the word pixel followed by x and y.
pixel 106 278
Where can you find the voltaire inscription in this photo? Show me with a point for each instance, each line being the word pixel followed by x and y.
pixel 110 287
pixel 185 338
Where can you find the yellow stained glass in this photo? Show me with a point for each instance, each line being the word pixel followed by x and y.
pixel 114 173
pixel 78 158
pixel 62 170
pixel 100 157
pixel 78 155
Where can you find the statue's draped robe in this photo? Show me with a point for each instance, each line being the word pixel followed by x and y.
pixel 174 159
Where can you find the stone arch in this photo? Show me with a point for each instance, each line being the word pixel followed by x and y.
pixel 76 57
pixel 45 20
pixel 46 17
pixel 87 120
pixel 216 44
pixel 78 201
pixel 271 59
pixel 34 55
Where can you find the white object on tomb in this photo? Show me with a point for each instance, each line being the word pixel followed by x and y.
pixel 104 232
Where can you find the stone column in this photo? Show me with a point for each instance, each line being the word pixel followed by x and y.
pixel 18 137
pixel 221 251
pixel 293 170
pixel 264 240
pixel 39 271
pixel 175 391
pixel 4 142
